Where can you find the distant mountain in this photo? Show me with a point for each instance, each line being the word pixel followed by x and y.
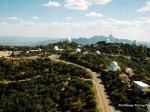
pixel 20 40
pixel 96 39
pixel 34 41
pixel 46 42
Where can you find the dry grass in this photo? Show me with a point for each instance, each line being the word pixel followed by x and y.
pixel 98 108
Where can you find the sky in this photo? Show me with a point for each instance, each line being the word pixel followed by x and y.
pixel 128 19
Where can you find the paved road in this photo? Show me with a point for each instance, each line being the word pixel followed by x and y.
pixel 104 103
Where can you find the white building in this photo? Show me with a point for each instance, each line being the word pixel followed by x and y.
pixel 107 41
pixel 68 39
pixel 98 52
pixel 35 50
pixel 128 70
pixel 56 48
pixel 114 66
pixel 142 87
pixel 78 50
pixel 86 52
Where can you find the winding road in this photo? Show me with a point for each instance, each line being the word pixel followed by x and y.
pixel 104 102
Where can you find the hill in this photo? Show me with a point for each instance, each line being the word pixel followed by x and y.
pixel 93 40
pixel 42 71
pixel 20 40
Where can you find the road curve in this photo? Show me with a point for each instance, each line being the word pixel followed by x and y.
pixel 104 103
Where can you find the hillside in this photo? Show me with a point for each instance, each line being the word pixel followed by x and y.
pixel 42 85
pixel 118 89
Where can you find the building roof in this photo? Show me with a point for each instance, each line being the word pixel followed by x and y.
pixel 140 83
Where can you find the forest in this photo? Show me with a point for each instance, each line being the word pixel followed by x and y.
pixel 43 82
pixel 43 85
pixel 119 92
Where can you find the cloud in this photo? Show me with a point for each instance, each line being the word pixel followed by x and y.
pixel 3 24
pixel 83 4
pixel 12 18
pixel 35 18
pixel 69 18
pixel 52 4
pixel 99 1
pixel 136 29
pixel 30 24
pixel 77 4
pixel 145 8
pixel 94 15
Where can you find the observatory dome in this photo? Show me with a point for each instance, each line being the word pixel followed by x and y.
pixel 56 48
pixel 114 66
pixel 128 70
pixel 98 52
pixel 78 50
pixel 107 41
pixel 117 68
pixel 68 39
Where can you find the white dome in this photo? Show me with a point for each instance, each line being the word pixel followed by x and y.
pixel 56 48
pixel 113 64
pixel 97 52
pixel 128 70
pixel 68 39
pixel 78 50
pixel 116 68
pixel 107 41
pixel 40 49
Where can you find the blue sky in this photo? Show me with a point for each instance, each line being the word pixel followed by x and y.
pixel 75 18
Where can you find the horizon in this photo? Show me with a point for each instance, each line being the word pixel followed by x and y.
pixel 64 38
pixel 125 19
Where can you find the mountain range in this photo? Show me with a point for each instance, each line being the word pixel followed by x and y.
pixel 36 41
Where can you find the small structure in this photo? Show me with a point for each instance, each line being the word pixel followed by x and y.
pixel 86 52
pixel 35 50
pixel 141 87
pixel 97 52
pixel 107 41
pixel 135 42
pixel 60 49
pixel 124 78
pixel 78 50
pixel 128 70
pixel 56 48
pixel 16 52
pixel 68 39
pixel 40 49
pixel 95 45
pixel 28 52
pixel 114 66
